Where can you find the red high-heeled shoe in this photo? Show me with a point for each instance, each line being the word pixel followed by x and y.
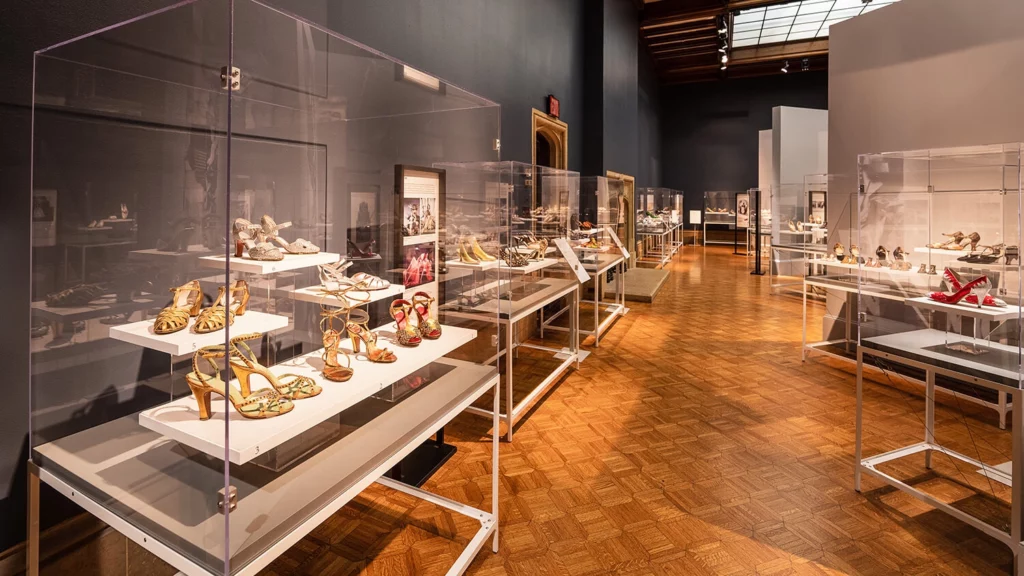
pixel 980 283
pixel 956 284
pixel 426 268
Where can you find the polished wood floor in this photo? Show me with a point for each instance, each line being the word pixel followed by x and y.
pixel 694 441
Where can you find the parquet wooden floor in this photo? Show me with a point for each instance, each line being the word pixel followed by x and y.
pixel 693 442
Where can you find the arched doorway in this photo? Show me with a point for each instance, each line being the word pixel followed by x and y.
pixel 550 141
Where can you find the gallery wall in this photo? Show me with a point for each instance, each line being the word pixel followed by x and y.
pixel 710 130
pixel 936 73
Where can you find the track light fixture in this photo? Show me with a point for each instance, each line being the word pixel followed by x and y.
pixel 725 58
pixel 785 67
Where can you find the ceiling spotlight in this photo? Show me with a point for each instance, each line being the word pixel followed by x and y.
pixel 785 67
pixel 724 66
pixel 805 65
pixel 725 58
pixel 722 49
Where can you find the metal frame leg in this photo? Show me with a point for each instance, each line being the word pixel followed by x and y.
pixel 803 343
pixel 860 417
pixel 597 310
pixel 494 463
pixel 929 415
pixel 1017 484
pixel 32 544
pixel 508 379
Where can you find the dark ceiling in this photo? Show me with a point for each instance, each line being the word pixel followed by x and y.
pixel 683 39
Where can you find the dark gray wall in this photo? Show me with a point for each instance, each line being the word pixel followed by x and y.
pixel 648 172
pixel 709 131
pixel 498 49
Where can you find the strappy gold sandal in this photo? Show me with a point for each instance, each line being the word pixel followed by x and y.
pixel 224 309
pixel 427 325
pixel 186 303
pixel 244 364
pixel 257 405
pixel 333 370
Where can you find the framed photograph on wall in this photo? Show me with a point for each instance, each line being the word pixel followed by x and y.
pixel 743 210
pixel 817 206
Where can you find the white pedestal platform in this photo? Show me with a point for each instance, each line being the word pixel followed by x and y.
pixel 290 262
pixel 185 341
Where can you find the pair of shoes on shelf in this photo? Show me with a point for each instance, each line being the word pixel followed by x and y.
pixel 974 292
pixel 332 277
pixel 512 258
pixel 470 251
pixel 362 250
pixel 420 269
pixel 187 301
pixel 427 327
pixel 926 269
pixel 262 241
pixel 252 404
pixel 958 241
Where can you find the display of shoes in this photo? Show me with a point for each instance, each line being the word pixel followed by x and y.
pixel 333 275
pixel 427 326
pixel 249 239
pixel 186 302
pixel 224 309
pixel 956 283
pixel 361 335
pixel 477 251
pixel 512 258
pixel 257 405
pixel 271 230
pixel 331 337
pixel 405 334
pixel 80 295
pixel 363 250
pixel 978 288
pixel 244 365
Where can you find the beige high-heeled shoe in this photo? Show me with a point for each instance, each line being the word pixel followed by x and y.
pixel 186 303
pixel 333 370
pixel 361 333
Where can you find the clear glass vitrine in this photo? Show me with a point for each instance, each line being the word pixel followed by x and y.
pixel 931 225
pixel 229 201
pixel 602 214
pixel 938 297
pixel 720 218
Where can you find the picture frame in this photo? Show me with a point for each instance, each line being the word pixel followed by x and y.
pixel 743 210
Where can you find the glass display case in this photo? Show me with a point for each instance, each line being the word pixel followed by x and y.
pixel 523 246
pixel 938 292
pixel 602 251
pixel 720 218
pixel 238 280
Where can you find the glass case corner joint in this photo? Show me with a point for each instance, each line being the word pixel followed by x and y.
pixel 231 501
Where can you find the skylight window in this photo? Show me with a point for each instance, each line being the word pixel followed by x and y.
pixel 798 20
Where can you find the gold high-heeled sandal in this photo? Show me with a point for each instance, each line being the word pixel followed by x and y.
pixel 186 303
pixel 360 333
pixel 478 252
pixel 244 364
pixel 265 403
pixel 427 326
pixel 225 307
pixel 333 370
pixel 405 333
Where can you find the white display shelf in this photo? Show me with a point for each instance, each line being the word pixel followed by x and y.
pixel 480 266
pixel 185 341
pixel 796 232
pixel 530 267
pixel 590 232
pixel 290 262
pixel 882 270
pixel 992 313
pixel 315 295
pixel 179 420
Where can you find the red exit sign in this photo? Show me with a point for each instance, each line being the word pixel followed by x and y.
pixel 554 106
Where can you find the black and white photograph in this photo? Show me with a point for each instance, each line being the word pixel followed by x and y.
pixel 411 217
pixel 743 210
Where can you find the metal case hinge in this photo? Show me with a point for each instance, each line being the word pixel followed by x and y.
pixel 234 81
pixel 231 500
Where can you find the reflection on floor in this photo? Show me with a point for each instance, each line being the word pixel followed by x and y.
pixel 692 442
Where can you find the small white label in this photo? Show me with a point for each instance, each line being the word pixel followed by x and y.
pixel 570 257
pixel 618 243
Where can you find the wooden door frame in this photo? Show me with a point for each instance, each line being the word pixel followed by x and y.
pixel 629 197
pixel 556 132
